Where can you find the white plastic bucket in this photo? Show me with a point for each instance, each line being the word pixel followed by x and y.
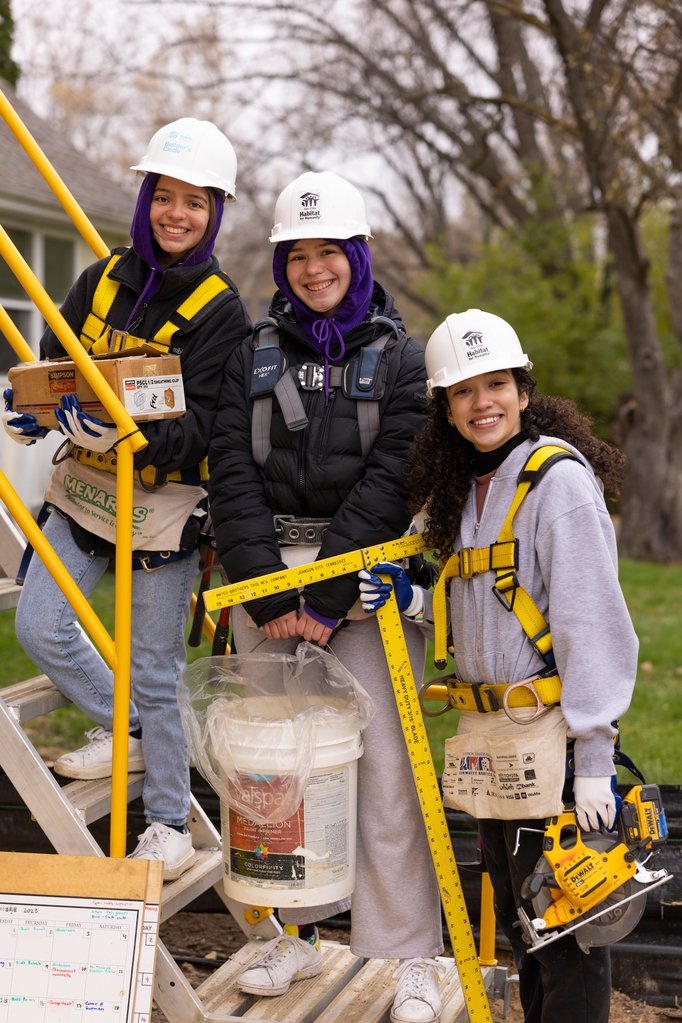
pixel 307 859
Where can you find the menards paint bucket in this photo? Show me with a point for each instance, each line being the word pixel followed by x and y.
pixel 308 858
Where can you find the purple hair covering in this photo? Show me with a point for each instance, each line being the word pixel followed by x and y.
pixel 326 333
pixel 145 246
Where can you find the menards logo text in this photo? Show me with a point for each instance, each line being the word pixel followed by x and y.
pixel 98 498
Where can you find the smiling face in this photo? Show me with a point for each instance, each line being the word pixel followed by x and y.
pixel 487 409
pixel 179 216
pixel 319 274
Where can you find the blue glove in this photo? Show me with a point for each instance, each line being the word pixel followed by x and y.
pixel 374 592
pixel 20 426
pixel 83 429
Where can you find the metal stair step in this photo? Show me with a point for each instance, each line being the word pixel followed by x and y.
pixel 33 697
pixel 9 594
pixel 92 799
pixel 206 871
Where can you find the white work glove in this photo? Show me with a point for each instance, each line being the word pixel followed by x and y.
pixel 83 429
pixel 595 803
pixel 20 426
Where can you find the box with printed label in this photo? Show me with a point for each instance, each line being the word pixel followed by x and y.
pixel 148 384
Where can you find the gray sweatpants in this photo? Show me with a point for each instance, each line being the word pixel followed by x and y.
pixel 396 902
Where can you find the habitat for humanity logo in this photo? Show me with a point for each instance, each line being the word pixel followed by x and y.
pixel 475 345
pixel 309 210
pixel 97 498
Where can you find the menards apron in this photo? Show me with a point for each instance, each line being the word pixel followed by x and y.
pixel 89 497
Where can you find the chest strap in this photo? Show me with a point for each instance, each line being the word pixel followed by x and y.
pixel 501 557
pixel 271 376
pixel 96 331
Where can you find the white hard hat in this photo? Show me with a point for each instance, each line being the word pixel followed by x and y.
pixel 193 151
pixel 319 204
pixel 470 343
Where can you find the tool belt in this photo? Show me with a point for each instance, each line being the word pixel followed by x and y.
pixel 292 531
pixel 538 691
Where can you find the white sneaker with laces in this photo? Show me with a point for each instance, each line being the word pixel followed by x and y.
pixel 283 960
pixel 94 760
pixel 417 999
pixel 159 842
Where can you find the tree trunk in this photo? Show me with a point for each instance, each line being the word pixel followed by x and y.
pixel 645 509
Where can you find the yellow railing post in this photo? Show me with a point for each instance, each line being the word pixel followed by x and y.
pixel 43 548
pixel 117 654
pixel 486 939
pixel 122 634
pixel 42 164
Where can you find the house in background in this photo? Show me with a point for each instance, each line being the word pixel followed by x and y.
pixel 55 251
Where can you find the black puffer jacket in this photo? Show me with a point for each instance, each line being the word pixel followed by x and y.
pixel 318 472
pixel 172 443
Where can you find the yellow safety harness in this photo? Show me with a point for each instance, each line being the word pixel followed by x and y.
pixel 98 338
pixel 501 558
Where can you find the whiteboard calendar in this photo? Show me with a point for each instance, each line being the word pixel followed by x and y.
pixel 70 960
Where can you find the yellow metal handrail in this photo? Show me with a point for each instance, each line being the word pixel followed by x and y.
pixel 42 164
pixel 116 654
pixel 9 328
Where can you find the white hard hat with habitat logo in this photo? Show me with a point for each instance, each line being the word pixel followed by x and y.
pixel 193 151
pixel 319 204
pixel 470 343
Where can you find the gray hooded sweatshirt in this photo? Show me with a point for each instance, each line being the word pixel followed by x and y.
pixel 568 564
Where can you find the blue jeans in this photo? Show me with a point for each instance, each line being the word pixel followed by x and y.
pixel 47 628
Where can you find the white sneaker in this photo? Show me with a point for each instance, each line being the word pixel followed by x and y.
pixel 416 998
pixel 284 960
pixel 94 760
pixel 159 842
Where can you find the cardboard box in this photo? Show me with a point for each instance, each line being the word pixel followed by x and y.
pixel 148 384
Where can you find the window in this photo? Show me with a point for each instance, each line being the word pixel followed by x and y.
pixel 52 259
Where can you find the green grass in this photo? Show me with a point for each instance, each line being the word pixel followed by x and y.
pixel 649 731
pixel 63 729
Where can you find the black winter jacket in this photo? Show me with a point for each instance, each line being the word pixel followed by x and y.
pixel 173 443
pixel 318 472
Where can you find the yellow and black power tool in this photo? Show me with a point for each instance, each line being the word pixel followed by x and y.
pixel 595 882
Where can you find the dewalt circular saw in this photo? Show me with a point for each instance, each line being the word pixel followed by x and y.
pixel 595 882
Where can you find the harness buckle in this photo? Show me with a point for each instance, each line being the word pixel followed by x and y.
pixel 145 561
pixel 466 563
pixel 480 689
pixel 503 584
pixel 540 708
pixel 292 530
pixel 310 376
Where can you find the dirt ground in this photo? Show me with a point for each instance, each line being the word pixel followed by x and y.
pixel 212 937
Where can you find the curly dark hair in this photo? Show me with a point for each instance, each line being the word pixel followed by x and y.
pixel 440 464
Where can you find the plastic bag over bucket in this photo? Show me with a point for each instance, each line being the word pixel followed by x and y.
pixel 257 723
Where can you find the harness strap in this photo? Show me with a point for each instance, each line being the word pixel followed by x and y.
pixel 502 558
pixel 368 424
pixel 307 377
pixel 95 333
pixel 486 698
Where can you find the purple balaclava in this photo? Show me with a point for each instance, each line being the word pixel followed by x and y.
pixel 326 333
pixel 146 248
